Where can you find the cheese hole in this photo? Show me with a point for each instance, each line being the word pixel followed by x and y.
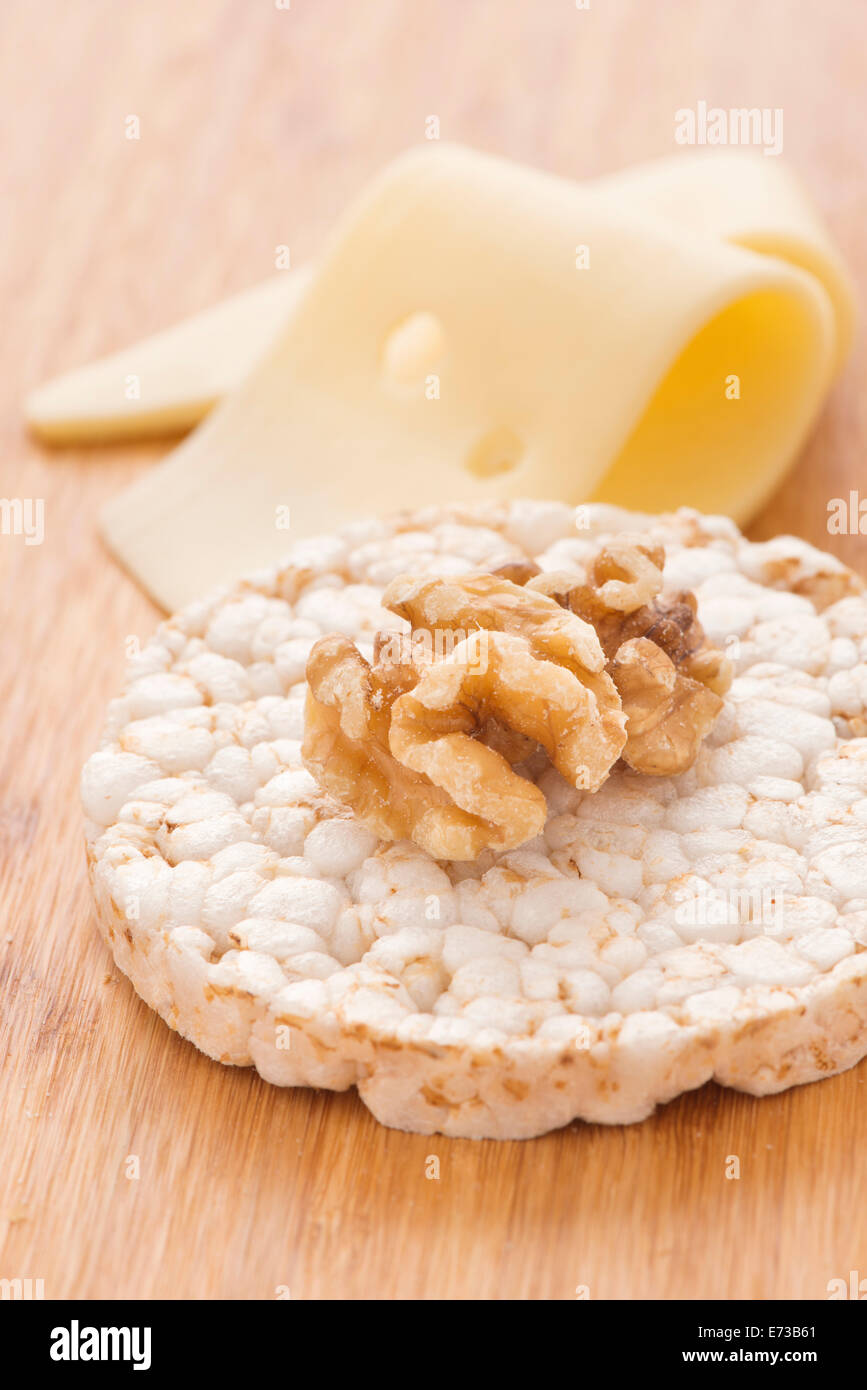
pixel 498 452
pixel 413 348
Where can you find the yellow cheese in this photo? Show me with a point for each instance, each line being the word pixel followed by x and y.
pixel 477 330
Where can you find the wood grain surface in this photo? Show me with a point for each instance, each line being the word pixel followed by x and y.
pixel 257 125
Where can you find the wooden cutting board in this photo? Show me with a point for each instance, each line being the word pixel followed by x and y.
pixel 257 125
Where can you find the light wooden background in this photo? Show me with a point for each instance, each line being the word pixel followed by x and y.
pixel 257 126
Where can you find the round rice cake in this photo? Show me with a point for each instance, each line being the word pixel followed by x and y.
pixel 659 933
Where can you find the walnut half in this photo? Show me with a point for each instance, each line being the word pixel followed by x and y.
pixel 667 714
pixel 670 679
pixel 422 747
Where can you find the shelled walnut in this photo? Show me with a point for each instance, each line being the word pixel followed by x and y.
pixel 422 743
pixel 667 714
pixel 669 677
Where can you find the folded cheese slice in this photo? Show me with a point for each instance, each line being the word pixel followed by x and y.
pixel 477 330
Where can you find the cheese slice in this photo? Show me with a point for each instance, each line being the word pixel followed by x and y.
pixel 478 330
pixel 750 201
